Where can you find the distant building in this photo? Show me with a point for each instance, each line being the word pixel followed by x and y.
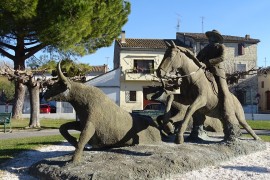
pixel 138 59
pixel 241 52
pixel 240 56
pixel 263 95
pixel 96 71
pixel 109 83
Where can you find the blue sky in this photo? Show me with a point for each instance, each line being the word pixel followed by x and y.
pixel 158 19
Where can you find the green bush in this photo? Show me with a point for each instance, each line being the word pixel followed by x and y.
pixel 8 88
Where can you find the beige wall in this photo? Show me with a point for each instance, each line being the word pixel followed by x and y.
pixel 232 57
pixel 249 58
pixel 265 78
pixel 127 58
pixel 136 81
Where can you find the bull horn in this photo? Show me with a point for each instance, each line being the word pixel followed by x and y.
pixel 173 44
pixel 61 76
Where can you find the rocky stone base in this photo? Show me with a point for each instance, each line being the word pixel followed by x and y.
pixel 145 161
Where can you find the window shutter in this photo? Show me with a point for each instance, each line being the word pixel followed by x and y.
pixel 241 49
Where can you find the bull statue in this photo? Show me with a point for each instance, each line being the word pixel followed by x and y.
pixel 102 123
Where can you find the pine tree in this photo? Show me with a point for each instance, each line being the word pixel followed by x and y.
pixel 77 27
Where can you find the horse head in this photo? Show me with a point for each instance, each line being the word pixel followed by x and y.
pixel 170 62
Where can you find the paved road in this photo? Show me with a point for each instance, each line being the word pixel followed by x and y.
pixel 15 134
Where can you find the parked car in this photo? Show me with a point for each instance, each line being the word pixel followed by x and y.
pixel 155 106
pixel 53 109
pixel 45 108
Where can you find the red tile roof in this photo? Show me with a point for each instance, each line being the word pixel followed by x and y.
pixel 227 38
pixel 146 43
pixel 161 43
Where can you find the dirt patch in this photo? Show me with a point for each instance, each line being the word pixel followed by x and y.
pixel 145 161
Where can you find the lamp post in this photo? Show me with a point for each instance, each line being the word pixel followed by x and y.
pixel 251 100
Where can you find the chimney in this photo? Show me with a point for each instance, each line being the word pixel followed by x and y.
pixel 123 37
pixel 105 68
pixel 247 36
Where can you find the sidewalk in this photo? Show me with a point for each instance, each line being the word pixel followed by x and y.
pixel 16 134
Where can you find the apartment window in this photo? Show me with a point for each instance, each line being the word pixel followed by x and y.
pixel 131 96
pixel 144 66
pixel 241 49
pixel 267 100
pixel 241 96
pixel 262 84
pixel 241 68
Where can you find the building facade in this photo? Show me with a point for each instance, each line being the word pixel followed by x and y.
pixel 139 58
pixel 263 95
pixel 240 55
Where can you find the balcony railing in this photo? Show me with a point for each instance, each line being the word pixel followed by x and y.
pixel 140 75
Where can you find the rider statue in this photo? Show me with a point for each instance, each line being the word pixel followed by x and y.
pixel 212 56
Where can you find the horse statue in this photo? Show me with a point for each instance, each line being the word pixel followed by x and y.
pixel 198 93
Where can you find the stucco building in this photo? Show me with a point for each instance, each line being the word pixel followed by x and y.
pixel 138 59
pixel 263 95
pixel 241 52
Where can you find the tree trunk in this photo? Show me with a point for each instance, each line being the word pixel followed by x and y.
pixel 19 90
pixel 34 105
pixel 18 100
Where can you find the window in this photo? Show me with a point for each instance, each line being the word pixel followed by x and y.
pixel 241 49
pixel 130 96
pixel 267 100
pixel 262 84
pixel 241 96
pixel 144 66
pixel 241 68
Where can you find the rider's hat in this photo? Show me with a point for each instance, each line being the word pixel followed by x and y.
pixel 216 34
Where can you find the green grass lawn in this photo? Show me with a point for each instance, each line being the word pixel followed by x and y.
pixel 259 124
pixel 9 148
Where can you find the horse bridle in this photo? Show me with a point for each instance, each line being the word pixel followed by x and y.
pixel 177 76
pixel 171 62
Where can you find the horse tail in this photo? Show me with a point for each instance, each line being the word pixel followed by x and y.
pixel 240 115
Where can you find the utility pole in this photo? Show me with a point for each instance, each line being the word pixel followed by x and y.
pixel 202 24
pixel 178 23
pixel 251 99
pixel 107 59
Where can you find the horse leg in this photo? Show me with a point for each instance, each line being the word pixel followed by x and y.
pixel 177 119
pixel 231 129
pixel 197 104
pixel 86 134
pixel 167 125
